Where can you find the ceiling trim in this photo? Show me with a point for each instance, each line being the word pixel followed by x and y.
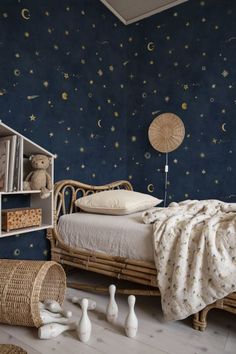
pixel 144 15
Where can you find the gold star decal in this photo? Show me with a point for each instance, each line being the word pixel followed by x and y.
pixel 32 117
pixel 225 73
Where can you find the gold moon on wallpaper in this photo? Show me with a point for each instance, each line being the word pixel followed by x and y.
pixel 151 46
pixel 99 123
pixel 223 127
pixel 25 14
pixel 150 188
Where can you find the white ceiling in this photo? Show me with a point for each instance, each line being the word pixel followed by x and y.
pixel 129 11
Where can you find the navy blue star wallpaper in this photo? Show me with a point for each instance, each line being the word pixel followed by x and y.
pixel 84 86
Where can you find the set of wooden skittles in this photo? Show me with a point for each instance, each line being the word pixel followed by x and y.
pixel 56 320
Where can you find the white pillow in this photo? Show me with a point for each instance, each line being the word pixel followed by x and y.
pixel 117 202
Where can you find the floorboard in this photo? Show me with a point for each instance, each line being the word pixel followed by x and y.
pixel 154 334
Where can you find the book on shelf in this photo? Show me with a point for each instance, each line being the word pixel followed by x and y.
pixel 11 169
pixel 4 164
pixel 17 180
pixel 12 141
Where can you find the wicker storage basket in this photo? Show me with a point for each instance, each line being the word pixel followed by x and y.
pixel 11 349
pixel 23 284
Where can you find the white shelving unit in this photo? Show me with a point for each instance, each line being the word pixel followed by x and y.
pixel 29 148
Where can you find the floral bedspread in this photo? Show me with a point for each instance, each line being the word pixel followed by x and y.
pixel 195 254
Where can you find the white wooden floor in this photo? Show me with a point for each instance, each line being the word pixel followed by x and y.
pixel 154 334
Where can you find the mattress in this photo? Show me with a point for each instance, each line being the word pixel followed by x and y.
pixel 125 236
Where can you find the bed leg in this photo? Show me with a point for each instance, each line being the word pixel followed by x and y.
pixel 199 321
pixel 200 318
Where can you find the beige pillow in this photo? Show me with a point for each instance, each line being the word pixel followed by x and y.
pixel 117 202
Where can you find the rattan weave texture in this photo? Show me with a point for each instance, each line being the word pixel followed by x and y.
pixel 11 349
pixel 23 284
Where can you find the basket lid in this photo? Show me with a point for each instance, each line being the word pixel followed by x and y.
pixel 166 132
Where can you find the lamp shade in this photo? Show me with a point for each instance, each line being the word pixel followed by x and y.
pixel 166 132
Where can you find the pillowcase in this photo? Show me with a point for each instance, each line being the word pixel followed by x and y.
pixel 117 202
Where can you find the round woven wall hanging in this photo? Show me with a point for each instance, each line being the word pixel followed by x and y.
pixel 166 132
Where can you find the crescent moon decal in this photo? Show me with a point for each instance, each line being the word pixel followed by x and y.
pixel 184 106
pixel 150 188
pixel 99 123
pixel 223 127
pixel 151 46
pixel 25 14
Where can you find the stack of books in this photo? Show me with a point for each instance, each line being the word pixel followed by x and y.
pixel 11 150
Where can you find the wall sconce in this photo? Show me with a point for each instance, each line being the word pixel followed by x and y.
pixel 166 133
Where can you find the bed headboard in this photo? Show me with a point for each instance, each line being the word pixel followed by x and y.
pixel 67 191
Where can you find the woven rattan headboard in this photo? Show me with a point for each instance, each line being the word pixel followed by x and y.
pixel 67 191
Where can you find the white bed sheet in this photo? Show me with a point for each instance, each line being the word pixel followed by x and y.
pixel 124 236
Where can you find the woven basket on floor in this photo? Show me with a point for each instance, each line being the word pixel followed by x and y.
pixel 23 284
pixel 11 349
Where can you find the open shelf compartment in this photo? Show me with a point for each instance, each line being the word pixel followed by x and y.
pixel 28 148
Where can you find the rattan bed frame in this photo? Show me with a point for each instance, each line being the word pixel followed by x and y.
pixel 137 271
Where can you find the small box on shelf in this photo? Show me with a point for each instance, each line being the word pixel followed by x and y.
pixel 18 218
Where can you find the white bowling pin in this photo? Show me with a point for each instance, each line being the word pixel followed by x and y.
pixel 53 330
pixel 131 321
pixel 91 303
pixel 46 318
pixel 84 327
pixel 112 308
pixel 55 307
pixel 55 315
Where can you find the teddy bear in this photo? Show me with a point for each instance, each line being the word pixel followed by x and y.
pixel 39 178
